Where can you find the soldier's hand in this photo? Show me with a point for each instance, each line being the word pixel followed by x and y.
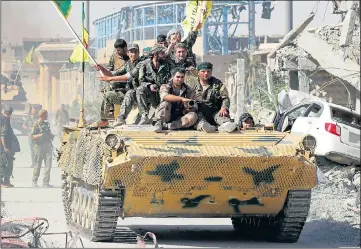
pixel 153 87
pixel 185 100
pixel 98 67
pixel 105 78
pixel 223 112
pixel 6 150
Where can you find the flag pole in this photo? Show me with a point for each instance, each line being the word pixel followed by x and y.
pixel 74 33
pixel 81 123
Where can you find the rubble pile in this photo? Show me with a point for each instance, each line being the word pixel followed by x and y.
pixel 291 51
pixel 337 197
pixel 331 34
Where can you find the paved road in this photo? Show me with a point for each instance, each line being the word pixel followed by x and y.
pixel 25 201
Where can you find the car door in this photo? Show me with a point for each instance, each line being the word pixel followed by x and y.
pixel 288 118
pixel 303 125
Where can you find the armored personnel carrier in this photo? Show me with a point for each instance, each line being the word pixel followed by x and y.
pixel 259 178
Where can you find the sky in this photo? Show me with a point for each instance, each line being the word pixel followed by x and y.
pixel 35 19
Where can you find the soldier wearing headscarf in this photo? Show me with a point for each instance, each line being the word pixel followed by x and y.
pixel 213 100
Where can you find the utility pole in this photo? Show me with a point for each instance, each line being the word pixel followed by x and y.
pixel 252 24
pixel 289 15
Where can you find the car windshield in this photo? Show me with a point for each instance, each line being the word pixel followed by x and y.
pixel 346 117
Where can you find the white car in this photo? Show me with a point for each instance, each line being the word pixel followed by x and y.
pixel 334 130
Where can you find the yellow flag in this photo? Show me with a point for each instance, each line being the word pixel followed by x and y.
pixel 194 12
pixel 29 57
pixel 77 55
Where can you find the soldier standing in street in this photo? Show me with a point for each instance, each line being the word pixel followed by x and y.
pixel 213 100
pixel 28 125
pixel 152 74
pixel 61 118
pixel 129 72
pixel 42 137
pixel 175 110
pixel 8 147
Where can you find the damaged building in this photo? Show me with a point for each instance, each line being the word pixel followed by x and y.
pixel 324 62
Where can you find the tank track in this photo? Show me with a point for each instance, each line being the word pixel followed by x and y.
pixel 103 214
pixel 285 227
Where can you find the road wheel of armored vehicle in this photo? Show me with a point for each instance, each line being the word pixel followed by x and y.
pixel 285 227
pixel 93 213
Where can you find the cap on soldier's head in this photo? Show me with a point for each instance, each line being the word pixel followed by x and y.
pixel 133 46
pixel 8 109
pixel 205 66
pixel 245 116
pixel 157 48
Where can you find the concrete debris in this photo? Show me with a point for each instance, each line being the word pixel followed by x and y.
pixel 331 34
pixel 337 197
pixel 291 51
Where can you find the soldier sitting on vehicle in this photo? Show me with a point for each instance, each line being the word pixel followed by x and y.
pixel 42 137
pixel 174 37
pixel 177 109
pixel 129 72
pixel 162 40
pixel 115 93
pixel 213 102
pixel 246 121
pixel 152 74
pixel 180 58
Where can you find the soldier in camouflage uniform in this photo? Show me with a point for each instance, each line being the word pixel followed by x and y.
pixel 28 125
pixel 152 74
pixel 213 102
pixel 114 92
pixel 174 37
pixel 175 111
pixel 129 72
pixel 42 137
pixel 9 145
pixel 180 58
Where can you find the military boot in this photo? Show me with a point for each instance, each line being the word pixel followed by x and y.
pixel 6 184
pixel 159 126
pixel 47 185
pixel 101 123
pixel 120 121
pixel 227 127
pixel 35 184
pixel 205 126
pixel 144 120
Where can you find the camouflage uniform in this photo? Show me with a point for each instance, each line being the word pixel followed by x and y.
pixel 174 115
pixel 29 122
pixel 189 42
pixel 43 150
pixel 132 69
pixel 210 101
pixel 174 62
pixel 7 158
pixel 148 75
pixel 113 93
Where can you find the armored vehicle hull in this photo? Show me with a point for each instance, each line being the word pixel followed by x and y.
pixel 260 179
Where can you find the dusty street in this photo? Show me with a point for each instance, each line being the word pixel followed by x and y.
pixel 330 223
